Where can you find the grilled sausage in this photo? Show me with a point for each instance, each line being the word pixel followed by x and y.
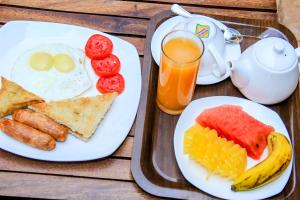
pixel 27 134
pixel 42 123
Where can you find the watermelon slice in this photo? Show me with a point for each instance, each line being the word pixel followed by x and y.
pixel 232 123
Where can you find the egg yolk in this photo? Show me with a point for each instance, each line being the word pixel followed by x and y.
pixel 41 61
pixel 63 62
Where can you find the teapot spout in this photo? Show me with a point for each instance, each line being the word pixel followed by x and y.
pixel 239 74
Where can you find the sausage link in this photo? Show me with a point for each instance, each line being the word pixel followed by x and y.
pixel 42 123
pixel 27 134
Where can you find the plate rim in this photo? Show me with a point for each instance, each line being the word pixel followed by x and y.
pixel 11 25
pixel 177 139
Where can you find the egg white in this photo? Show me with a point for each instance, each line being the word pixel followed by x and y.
pixel 52 84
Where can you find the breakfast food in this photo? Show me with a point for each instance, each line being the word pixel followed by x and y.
pixel 216 154
pixel 280 155
pixel 223 150
pixel 110 84
pixel 13 97
pixel 232 123
pixel 52 71
pixel 106 67
pixel 105 64
pixel 98 47
pixel 41 122
pixel 81 115
pixel 27 134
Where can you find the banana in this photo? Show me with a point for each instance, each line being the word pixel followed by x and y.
pixel 280 155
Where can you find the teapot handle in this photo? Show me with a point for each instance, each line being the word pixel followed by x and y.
pixel 221 68
pixel 298 55
pixel 298 52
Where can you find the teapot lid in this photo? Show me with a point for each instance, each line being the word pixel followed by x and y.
pixel 275 54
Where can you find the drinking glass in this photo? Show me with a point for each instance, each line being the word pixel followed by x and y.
pixel 179 65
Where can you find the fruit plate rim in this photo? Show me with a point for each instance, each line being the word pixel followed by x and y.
pixel 215 185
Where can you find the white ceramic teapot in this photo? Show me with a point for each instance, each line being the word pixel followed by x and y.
pixel 267 72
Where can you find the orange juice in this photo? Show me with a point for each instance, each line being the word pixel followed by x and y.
pixel 177 73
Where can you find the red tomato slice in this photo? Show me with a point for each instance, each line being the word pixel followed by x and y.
pixel 98 46
pixel 108 66
pixel 110 84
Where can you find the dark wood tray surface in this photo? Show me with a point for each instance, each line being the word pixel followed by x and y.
pixel 154 166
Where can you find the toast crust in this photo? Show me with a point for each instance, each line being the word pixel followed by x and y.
pixel 13 97
pixel 81 115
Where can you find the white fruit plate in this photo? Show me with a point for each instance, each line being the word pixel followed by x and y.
pixel 17 37
pixel 216 185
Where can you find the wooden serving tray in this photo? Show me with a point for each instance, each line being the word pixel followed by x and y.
pixel 154 166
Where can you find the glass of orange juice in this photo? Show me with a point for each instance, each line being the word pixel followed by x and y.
pixel 179 64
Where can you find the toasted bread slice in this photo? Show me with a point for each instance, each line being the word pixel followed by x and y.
pixel 13 97
pixel 81 115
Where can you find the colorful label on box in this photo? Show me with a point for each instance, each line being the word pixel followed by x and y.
pixel 202 31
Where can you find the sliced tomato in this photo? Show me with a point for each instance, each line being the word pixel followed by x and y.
pixel 108 66
pixel 98 47
pixel 115 83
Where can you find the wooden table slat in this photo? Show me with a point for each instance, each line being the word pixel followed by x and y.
pixel 103 23
pixel 60 187
pixel 130 8
pixel 255 4
pixel 125 149
pixel 109 178
pixel 109 168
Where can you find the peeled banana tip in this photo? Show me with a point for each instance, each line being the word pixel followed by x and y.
pixel 233 188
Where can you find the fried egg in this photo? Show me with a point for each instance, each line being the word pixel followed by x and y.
pixel 52 71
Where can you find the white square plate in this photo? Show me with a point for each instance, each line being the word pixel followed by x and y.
pixel 16 37
pixel 216 185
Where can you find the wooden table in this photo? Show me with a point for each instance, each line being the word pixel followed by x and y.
pixel 109 178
